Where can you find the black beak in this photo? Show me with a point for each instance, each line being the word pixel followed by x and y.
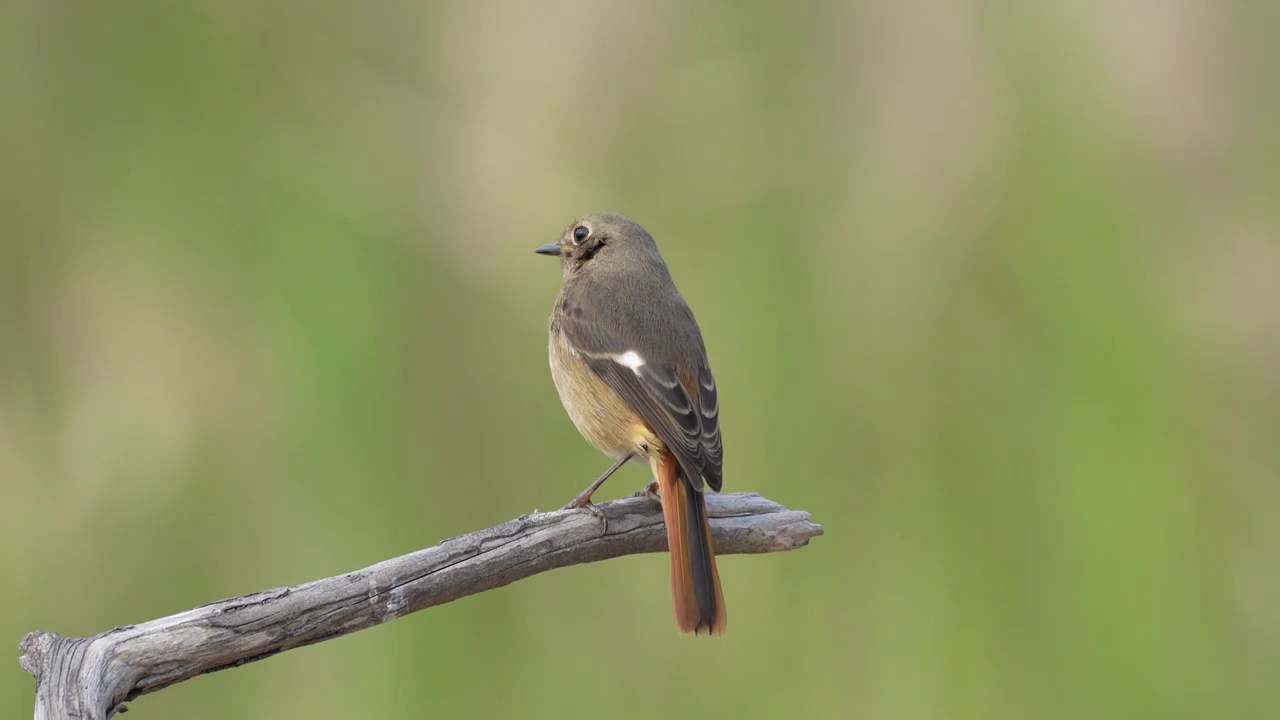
pixel 549 249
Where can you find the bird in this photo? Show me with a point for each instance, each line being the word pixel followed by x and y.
pixel 630 366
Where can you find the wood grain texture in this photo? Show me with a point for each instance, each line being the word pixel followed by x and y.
pixel 91 678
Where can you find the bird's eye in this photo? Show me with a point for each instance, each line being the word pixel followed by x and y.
pixel 580 234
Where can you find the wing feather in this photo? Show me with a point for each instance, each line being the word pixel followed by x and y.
pixel 680 404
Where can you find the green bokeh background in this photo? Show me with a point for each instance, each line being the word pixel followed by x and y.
pixel 989 288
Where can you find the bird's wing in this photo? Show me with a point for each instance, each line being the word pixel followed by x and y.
pixel 679 402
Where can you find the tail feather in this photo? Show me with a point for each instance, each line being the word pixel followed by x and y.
pixel 695 581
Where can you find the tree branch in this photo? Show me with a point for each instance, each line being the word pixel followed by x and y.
pixel 91 678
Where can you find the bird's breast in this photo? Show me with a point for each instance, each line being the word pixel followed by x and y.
pixel 603 417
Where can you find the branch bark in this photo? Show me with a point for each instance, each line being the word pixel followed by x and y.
pixel 91 678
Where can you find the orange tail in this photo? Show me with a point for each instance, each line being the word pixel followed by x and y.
pixel 695 582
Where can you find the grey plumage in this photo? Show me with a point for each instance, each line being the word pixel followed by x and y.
pixel 612 309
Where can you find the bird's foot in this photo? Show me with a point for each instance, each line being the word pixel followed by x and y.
pixel 583 502
pixel 650 491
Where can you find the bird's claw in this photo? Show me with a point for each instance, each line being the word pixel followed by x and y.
pixel 650 491
pixel 586 504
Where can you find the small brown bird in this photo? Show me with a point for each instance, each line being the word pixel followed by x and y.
pixel 628 360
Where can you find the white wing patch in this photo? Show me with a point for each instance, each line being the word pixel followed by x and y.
pixel 632 360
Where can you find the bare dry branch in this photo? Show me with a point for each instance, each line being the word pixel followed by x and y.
pixel 91 678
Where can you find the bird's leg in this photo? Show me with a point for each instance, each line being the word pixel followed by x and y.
pixel 650 491
pixel 583 500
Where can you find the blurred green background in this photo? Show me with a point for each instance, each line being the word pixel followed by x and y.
pixel 990 288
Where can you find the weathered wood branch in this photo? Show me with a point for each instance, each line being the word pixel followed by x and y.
pixel 91 678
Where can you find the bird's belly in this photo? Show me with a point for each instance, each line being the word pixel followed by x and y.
pixel 600 414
